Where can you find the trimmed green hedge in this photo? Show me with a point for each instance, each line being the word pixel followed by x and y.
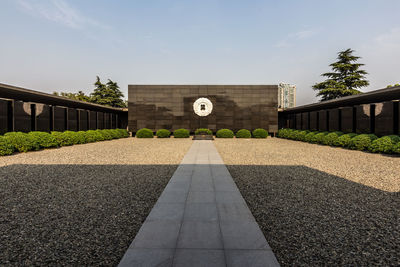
pixel 224 133
pixel 35 140
pixel 203 131
pixel 363 142
pixel 163 133
pixel 243 133
pixel 260 133
pixel 144 133
pixel 181 133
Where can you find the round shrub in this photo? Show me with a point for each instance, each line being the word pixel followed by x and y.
pixel 344 140
pixel 243 133
pixel 225 133
pixel 284 133
pixel 45 140
pixel 203 131
pixel 260 133
pixel 384 144
pixel 396 148
pixel 163 133
pixel 293 134
pixel 123 132
pixel 106 134
pixel 22 142
pixel 362 141
pixel 301 136
pixel 63 139
pixel 310 137
pixel 74 137
pixel 318 137
pixel 6 147
pixel 331 138
pixel 93 136
pixel 144 133
pixel 181 133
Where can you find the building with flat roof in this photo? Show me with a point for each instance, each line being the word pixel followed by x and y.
pixel 286 95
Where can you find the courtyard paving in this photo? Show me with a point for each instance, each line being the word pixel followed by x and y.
pixel 200 219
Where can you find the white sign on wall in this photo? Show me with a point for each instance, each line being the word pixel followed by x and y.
pixel 202 107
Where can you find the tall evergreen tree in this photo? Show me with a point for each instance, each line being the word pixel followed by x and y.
pixel 107 94
pixel 345 79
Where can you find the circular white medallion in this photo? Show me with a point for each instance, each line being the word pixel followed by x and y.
pixel 202 107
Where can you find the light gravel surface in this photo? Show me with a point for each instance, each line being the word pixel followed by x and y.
pixel 81 205
pixel 319 205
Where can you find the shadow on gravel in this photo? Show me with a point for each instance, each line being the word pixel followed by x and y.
pixel 312 218
pixel 74 214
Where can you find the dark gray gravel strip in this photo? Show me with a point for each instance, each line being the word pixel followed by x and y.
pixel 77 215
pixel 311 218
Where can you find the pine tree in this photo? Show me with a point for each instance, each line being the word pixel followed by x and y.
pixel 107 94
pixel 345 79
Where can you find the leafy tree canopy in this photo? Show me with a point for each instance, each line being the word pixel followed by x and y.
pixel 104 94
pixel 344 80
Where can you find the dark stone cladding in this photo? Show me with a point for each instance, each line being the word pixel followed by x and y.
pixel 234 107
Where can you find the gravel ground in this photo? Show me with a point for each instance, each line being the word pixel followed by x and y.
pixel 318 205
pixel 81 205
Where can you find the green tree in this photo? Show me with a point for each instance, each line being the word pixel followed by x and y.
pixel 345 80
pixel 75 96
pixel 107 94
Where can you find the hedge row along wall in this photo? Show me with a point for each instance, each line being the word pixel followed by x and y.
pixel 37 111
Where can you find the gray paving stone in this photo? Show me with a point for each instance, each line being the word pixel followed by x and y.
pixel 201 197
pixel 204 235
pixel 243 235
pixel 253 258
pixel 157 234
pixel 166 212
pixel 234 212
pixel 173 196
pixel 202 186
pixel 201 212
pixel 228 197
pixel 183 186
pixel 199 258
pixel 147 258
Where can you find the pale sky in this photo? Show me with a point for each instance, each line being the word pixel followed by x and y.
pixel 60 45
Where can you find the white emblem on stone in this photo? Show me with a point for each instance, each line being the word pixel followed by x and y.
pixel 202 107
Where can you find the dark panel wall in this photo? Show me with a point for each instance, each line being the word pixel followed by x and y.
pixel 322 122
pixel 334 120
pixel 304 119
pixel 347 119
pixel 363 121
pixel 72 119
pixel 107 121
pixel 43 118
pixel 298 121
pixel 234 107
pixel 313 121
pixel 3 116
pixel 92 120
pixel 83 120
pixel 59 114
pixel 100 120
pixel 384 120
pixel 22 116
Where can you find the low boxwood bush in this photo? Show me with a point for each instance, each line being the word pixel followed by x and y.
pixel 106 134
pixel 243 133
pixel 344 140
pixel 6 147
pixel 362 141
pixel 163 133
pixel 396 148
pixel 22 142
pixel 331 138
pixel 301 135
pixel 144 133
pixel 123 133
pixel 293 134
pixel 62 138
pixel 260 133
pixel 93 136
pixel 384 144
pixel 319 137
pixel 44 139
pixel 309 138
pixel 203 131
pixel 181 133
pixel 224 133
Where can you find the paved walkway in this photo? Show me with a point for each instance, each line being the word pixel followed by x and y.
pixel 200 219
